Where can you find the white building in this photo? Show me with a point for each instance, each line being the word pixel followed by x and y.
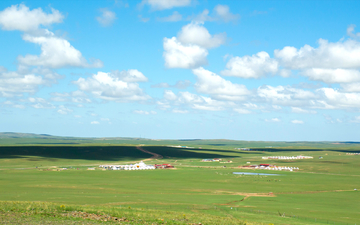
pixel 138 166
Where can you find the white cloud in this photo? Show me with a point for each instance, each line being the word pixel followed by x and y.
pixel 334 99
pixel 342 54
pixel 352 87
pixel 13 83
pixel 95 122
pixel 131 75
pixel 56 52
pixel 169 95
pixel 297 121
pixel 196 33
pixel 220 13
pixel 254 66
pixel 179 111
pixel 188 56
pixel 107 17
pixel 20 17
pixel 189 49
pixel 165 4
pixel 300 110
pixel 143 19
pixel 181 84
pixel 251 106
pixel 332 75
pixel 75 96
pixel 219 88
pixel 113 87
pixel 285 95
pixel 242 111
pixel 350 31
pixel 192 100
pixel 63 110
pixel 355 120
pixel 223 12
pixel 273 120
pixel 40 103
pixel 145 112
pixel 175 17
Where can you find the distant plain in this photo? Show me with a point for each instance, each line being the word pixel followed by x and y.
pixel 321 192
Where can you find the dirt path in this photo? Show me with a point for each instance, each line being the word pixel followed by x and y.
pixel 155 155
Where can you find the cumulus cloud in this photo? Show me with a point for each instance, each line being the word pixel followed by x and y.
pixel 40 103
pixel 75 97
pixel 219 88
pixel 297 121
pixel 63 110
pixel 14 83
pixel 118 86
pixel 107 17
pixel 144 112
pixel 188 56
pixel 165 4
pixel 223 12
pixel 189 49
pixel 192 100
pixel 196 33
pixel 220 13
pixel 286 95
pixel 143 19
pixel 352 87
pixel 350 31
pixel 332 75
pixel 273 120
pixel 175 17
pixel 181 84
pixel 56 52
pixel 254 66
pixel 20 17
pixel 300 110
pixel 179 111
pixel 95 122
pixel 342 54
pixel 355 120
pixel 335 99
pixel 131 75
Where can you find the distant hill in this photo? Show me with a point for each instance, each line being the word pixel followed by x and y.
pixel 25 135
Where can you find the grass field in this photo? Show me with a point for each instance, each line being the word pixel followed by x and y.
pixel 33 187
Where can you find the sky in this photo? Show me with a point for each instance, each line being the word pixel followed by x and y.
pixel 181 69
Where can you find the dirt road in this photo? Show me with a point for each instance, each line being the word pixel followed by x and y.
pixel 155 155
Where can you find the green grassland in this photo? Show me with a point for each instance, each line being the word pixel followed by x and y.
pixel 33 186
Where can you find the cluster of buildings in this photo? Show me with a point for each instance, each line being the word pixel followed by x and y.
pixel 287 157
pixel 163 166
pixel 272 167
pixel 137 166
pixel 243 149
pixel 211 160
pixel 353 153
pixel 179 146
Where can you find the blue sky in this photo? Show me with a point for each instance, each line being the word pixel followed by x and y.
pixel 244 70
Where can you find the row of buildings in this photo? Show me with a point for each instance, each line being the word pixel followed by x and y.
pixel 287 157
pixel 272 167
pixel 137 166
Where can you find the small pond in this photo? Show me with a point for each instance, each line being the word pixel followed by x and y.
pixel 262 174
